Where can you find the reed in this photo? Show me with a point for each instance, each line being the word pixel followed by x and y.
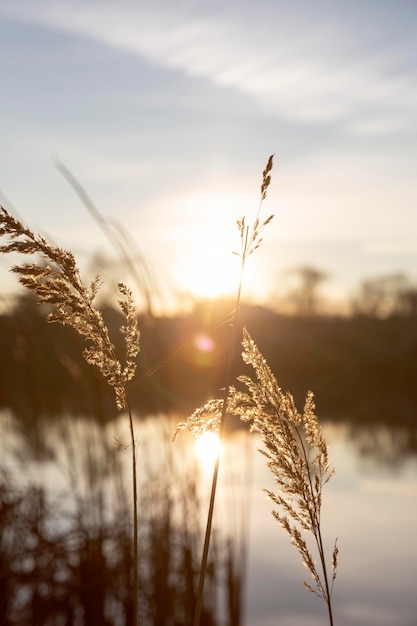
pixel 294 445
pixel 297 455
pixel 213 415
pixel 55 279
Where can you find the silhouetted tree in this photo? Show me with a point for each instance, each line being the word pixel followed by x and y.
pixel 386 295
pixel 305 297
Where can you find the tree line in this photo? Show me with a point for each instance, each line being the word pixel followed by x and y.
pixel 378 297
pixel 361 368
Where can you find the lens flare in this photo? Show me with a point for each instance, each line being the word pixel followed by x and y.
pixel 204 342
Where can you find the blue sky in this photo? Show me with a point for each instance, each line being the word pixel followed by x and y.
pixel 167 111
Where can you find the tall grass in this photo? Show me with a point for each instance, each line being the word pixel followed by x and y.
pixel 55 279
pixel 297 455
pixel 294 446
pixel 250 239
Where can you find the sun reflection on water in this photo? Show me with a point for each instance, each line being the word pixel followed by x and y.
pixel 207 450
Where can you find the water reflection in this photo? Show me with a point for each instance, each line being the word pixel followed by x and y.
pixel 207 450
pixel 388 446
pixel 371 507
pixel 78 487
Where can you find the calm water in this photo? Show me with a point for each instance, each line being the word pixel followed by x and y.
pixel 370 505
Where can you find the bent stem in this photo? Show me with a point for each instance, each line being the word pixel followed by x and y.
pixel 250 241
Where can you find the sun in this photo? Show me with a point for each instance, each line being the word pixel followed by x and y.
pixel 207 449
pixel 210 269
pixel 211 277
pixel 207 267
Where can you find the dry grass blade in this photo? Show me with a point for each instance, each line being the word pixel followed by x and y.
pixel 56 281
pixel 266 177
pixel 297 455
pixel 250 237
pixel 212 415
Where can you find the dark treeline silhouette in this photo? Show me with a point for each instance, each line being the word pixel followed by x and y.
pixel 377 297
pixel 361 368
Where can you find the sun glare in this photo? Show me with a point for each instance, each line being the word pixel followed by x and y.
pixel 208 268
pixel 209 279
pixel 207 449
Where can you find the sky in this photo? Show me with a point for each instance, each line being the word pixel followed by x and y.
pixel 166 113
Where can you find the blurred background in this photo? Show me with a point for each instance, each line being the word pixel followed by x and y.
pixel 135 134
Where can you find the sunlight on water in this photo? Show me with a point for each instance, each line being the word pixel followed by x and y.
pixel 207 449
pixel 370 505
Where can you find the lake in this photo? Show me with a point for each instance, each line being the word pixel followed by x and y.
pixel 370 506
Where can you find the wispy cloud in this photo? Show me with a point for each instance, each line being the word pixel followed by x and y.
pixel 299 64
pixel 391 248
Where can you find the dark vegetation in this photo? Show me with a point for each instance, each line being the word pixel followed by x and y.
pixel 67 560
pixel 361 368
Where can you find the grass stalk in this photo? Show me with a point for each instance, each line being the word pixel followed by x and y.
pixel 135 514
pixel 294 446
pixel 250 240
pixel 228 380
pixel 297 455
pixel 56 281
pixel 117 238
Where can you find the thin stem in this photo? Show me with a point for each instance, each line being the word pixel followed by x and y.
pixel 126 258
pixel 326 581
pixel 248 245
pixel 315 521
pixel 315 513
pixel 228 379
pixel 203 568
pixel 59 284
pixel 135 516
